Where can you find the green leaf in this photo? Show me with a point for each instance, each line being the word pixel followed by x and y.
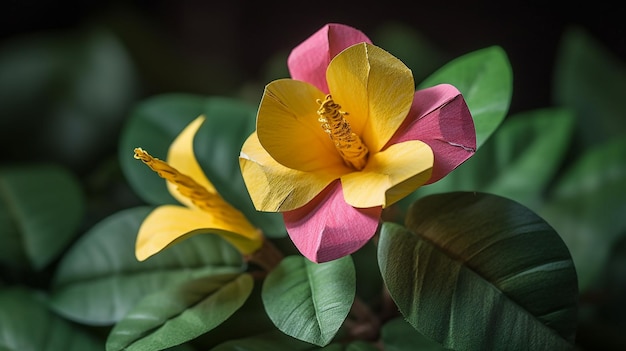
pixel 176 315
pixel 41 207
pixel 475 271
pixel 590 80
pixel 310 301
pixel 66 93
pixel 485 79
pixel 398 335
pixel 99 280
pixel 26 323
pixel 157 121
pixel 587 207
pixel 519 161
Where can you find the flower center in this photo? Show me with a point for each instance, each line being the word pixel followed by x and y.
pixel 199 196
pixel 348 144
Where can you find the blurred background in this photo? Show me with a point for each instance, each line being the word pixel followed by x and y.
pixel 71 72
pixel 140 48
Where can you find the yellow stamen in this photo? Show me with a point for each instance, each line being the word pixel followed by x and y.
pixel 199 196
pixel 348 144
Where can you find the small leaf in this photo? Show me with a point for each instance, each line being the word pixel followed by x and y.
pixel 590 80
pixel 26 323
pixel 99 280
pixel 155 123
pixel 587 207
pixel 176 315
pixel 485 79
pixel 41 207
pixel 310 301
pixel 476 271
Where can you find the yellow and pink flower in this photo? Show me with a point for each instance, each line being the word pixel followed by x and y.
pixel 347 136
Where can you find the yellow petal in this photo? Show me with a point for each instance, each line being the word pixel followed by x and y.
pixel 288 127
pixel 390 175
pixel 168 224
pixel 375 88
pixel 182 157
pixel 276 188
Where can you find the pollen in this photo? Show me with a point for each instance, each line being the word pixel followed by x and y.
pixel 199 195
pixel 348 144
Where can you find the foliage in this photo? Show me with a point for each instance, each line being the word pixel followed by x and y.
pixel 503 253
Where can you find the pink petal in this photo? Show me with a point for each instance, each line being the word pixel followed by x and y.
pixel 327 228
pixel 440 117
pixel 309 60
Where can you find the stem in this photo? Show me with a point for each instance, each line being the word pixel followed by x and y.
pixel 267 257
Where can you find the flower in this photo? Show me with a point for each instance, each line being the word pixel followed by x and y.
pixel 204 210
pixel 347 136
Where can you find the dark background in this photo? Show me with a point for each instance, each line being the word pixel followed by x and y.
pixel 183 45
pixel 246 33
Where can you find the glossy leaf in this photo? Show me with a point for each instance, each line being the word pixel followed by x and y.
pixel 475 271
pixel 519 161
pixel 99 280
pixel 398 335
pixel 41 207
pixel 307 300
pixel 591 80
pixel 176 315
pixel 26 323
pixel 156 122
pixel 485 79
pixel 587 207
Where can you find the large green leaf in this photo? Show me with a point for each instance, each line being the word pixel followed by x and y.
pixel 157 121
pixel 41 207
pixel 310 301
pixel 99 280
pixel 485 79
pixel 176 315
pixel 587 207
pixel 26 324
pixel 592 81
pixel 66 93
pixel 476 271
pixel 519 161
